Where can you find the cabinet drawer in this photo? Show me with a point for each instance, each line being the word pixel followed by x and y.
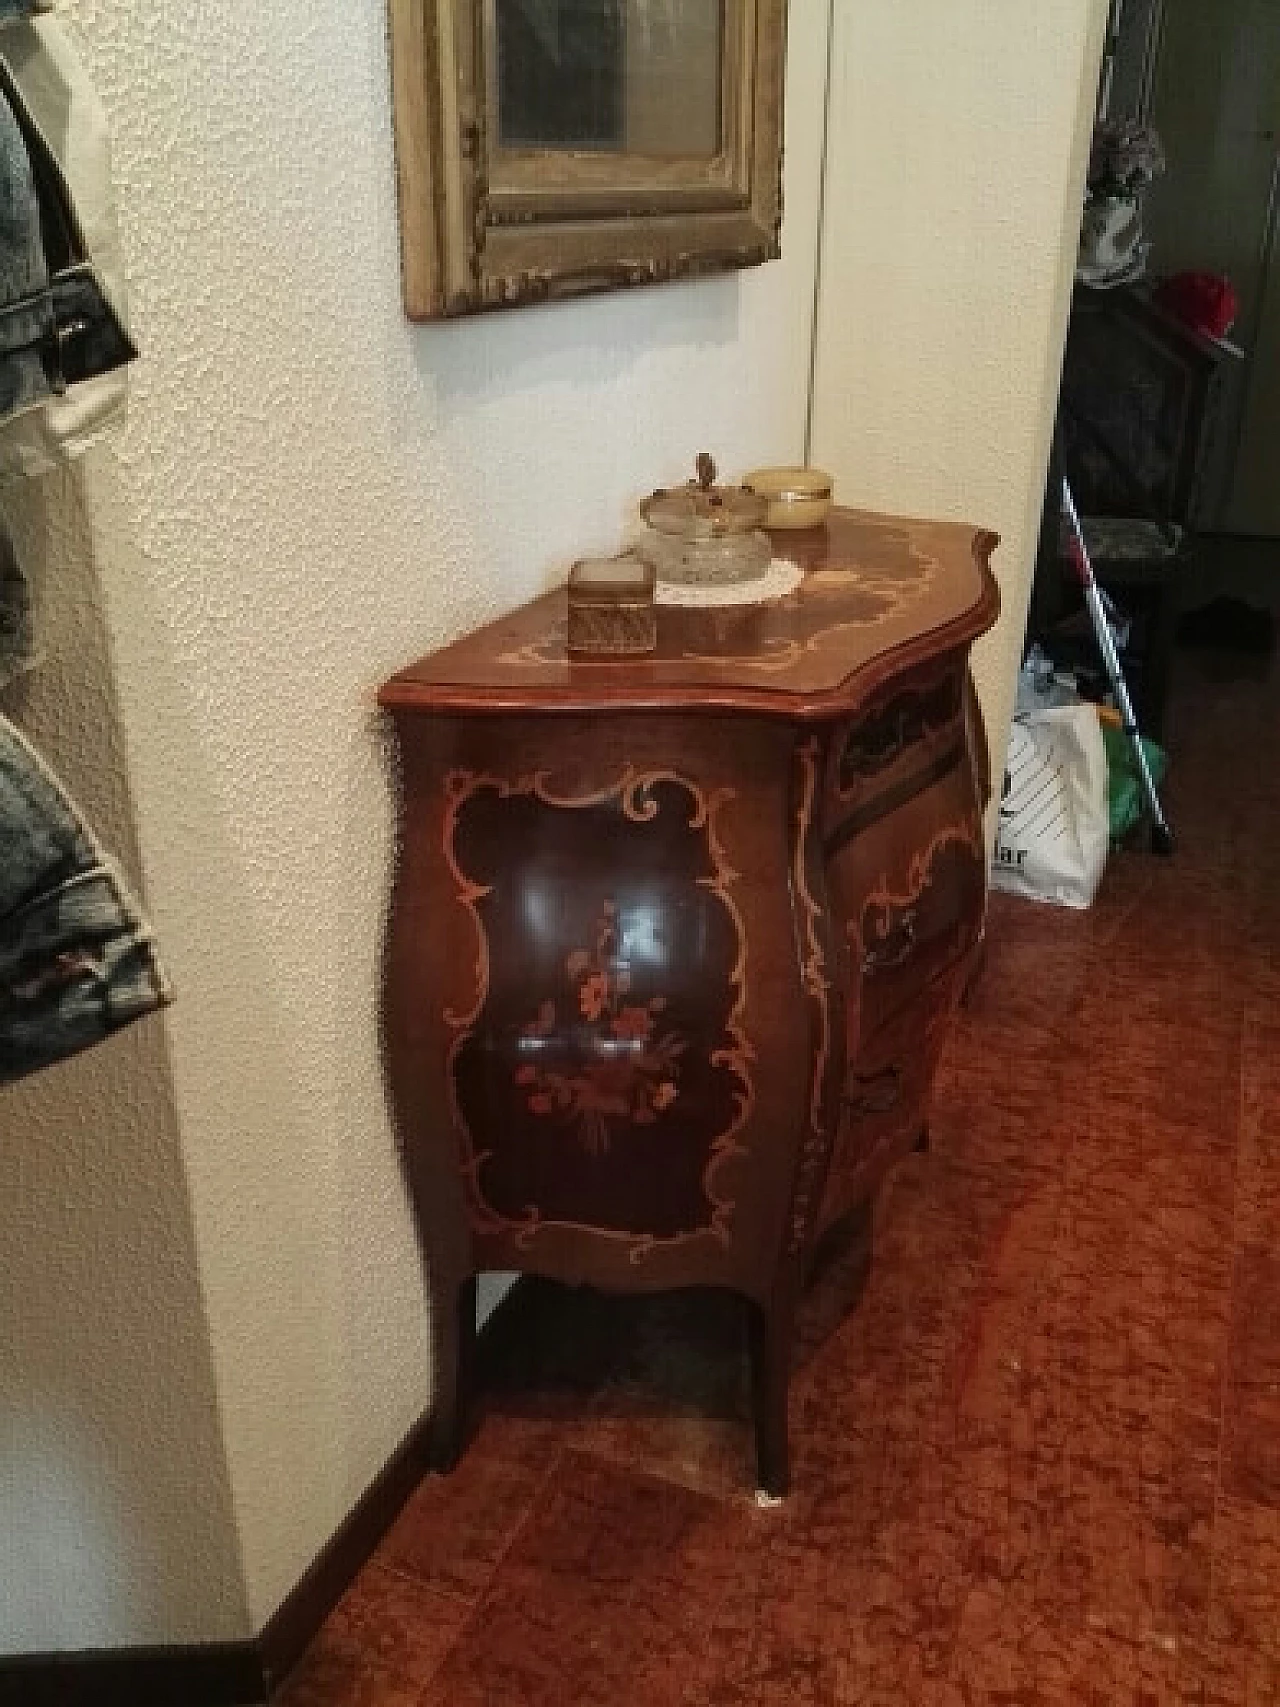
pixel 909 733
pixel 887 1096
pixel 909 895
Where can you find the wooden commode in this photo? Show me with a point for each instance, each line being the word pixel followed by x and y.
pixel 675 939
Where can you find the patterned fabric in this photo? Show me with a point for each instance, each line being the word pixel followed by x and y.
pixel 76 957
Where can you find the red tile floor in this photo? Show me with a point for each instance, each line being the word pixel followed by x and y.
pixel 1037 1439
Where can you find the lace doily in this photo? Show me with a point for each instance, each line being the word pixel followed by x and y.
pixel 779 579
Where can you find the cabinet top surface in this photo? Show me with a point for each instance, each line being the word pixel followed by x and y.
pixel 880 594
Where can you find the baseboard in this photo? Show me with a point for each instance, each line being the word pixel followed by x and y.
pixel 235 1674
pixel 227 1675
pixel 298 1618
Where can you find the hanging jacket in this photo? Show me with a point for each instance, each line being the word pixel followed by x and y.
pixel 77 961
pixel 64 124
pixel 17 641
pixel 28 333
pixel 57 324
pixel 76 956
pixel 63 347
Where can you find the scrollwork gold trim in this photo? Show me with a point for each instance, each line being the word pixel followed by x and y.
pixel 816 983
pixel 967 832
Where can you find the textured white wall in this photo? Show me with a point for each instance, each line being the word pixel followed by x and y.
pixel 956 158
pixel 115 1505
pixel 310 492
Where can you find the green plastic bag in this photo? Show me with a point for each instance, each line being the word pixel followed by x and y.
pixel 1124 791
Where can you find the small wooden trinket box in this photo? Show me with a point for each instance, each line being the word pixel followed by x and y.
pixel 611 607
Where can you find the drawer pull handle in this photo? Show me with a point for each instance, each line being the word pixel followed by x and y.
pixel 896 949
pixel 875 1093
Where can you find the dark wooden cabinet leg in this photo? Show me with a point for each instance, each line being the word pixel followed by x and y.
pixel 454 1374
pixel 771 1334
pixel 1159 661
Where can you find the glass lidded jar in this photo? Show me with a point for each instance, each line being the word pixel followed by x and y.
pixel 701 534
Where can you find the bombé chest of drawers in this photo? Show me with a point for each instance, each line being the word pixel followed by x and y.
pixel 675 940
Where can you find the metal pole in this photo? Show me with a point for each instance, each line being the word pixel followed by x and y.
pixel 1161 834
pixel 820 239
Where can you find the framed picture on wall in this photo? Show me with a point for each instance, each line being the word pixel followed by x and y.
pixel 551 147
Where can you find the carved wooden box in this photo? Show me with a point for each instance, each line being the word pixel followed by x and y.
pixel 675 940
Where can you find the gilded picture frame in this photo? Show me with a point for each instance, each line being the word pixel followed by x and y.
pixel 492 217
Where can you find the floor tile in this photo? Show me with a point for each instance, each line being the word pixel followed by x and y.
pixel 380 1648
pixel 1252 1418
pixel 1245 1611
pixel 455 1529
pixel 606 1596
pixel 1258 1182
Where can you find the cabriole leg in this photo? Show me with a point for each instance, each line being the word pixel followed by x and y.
pixel 455 1357
pixel 771 1333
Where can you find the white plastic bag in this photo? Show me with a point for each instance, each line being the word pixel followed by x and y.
pixel 1053 834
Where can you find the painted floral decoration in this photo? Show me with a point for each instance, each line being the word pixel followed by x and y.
pixel 626 1067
